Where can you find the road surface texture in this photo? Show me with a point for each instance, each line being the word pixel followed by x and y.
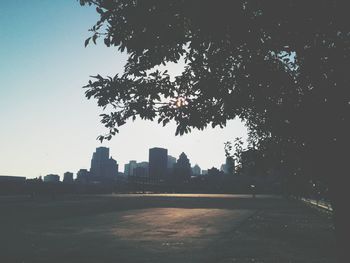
pixel 163 228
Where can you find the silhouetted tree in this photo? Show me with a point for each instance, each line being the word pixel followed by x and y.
pixel 282 66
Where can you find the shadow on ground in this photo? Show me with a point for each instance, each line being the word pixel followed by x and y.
pixel 163 228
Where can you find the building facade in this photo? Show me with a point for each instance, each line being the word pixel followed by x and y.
pixel 141 169
pixel 51 178
pixel 196 170
pixel 12 179
pixel 83 176
pixel 182 169
pixel 229 166
pixel 103 168
pixel 158 163
pixel 68 177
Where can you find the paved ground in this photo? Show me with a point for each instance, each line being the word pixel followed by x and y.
pixel 163 228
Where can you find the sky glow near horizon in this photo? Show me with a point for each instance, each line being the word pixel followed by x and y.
pixel 47 124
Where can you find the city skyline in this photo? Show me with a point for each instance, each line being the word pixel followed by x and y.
pixel 101 155
pixel 48 124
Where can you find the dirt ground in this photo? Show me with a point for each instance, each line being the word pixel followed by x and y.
pixel 163 228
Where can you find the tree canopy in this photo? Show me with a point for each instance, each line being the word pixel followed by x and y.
pixel 282 66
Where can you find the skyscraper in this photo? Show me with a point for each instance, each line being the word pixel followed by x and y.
pixel 103 167
pixel 158 160
pixel 126 169
pixel 228 167
pixel 171 165
pixel 132 166
pixel 171 161
pixel 196 170
pixel 182 169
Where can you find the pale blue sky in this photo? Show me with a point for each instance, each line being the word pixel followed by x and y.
pixel 47 124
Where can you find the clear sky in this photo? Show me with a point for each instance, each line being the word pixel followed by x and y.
pixel 47 124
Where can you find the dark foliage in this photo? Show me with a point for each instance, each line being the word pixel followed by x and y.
pixel 280 66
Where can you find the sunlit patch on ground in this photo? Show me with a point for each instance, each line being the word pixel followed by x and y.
pixel 176 223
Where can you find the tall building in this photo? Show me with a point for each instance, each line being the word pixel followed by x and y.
pixel 103 168
pixel 129 168
pixel 171 165
pixel 126 169
pixel 229 166
pixel 132 166
pixel 68 177
pixel 142 164
pixel 171 161
pixel 158 162
pixel 182 171
pixel 223 168
pixel 196 170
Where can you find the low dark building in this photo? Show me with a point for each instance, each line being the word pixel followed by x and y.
pixel 215 172
pixel 68 177
pixel 83 176
pixel 11 184
pixel 51 178
pixel 12 179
